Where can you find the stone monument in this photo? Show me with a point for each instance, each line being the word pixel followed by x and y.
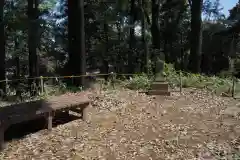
pixel 159 86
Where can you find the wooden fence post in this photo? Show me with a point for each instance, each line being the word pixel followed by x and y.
pixel 42 84
pixel 72 79
pixel 113 77
pixel 180 76
pixel 6 85
pixel 233 86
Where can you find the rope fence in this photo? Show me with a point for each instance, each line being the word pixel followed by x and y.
pixel 62 77
pixel 231 88
pixel 113 76
pixel 40 87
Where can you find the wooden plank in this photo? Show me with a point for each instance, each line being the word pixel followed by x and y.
pixel 21 109
pixel 62 102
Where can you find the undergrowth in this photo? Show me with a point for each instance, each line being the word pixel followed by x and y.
pixel 59 89
pixel 216 84
pixel 139 82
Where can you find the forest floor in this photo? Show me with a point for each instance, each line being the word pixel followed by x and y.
pixel 125 124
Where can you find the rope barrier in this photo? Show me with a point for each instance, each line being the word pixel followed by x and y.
pixel 95 75
pixel 61 77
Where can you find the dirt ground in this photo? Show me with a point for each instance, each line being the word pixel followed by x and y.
pixel 124 124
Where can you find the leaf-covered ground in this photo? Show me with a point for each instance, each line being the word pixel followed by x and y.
pixel 124 124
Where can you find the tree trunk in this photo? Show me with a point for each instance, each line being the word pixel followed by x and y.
pixel 132 39
pixel 33 38
pixel 71 11
pixel 81 41
pixel 155 28
pixel 118 60
pixel 155 32
pixel 2 48
pixel 104 56
pixel 166 49
pixel 144 40
pixel 196 36
pixel 181 52
pixel 17 71
pixel 76 37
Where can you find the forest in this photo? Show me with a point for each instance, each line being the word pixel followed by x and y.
pixel 64 38
pixel 51 50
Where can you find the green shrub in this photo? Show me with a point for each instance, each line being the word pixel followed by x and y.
pixel 139 82
pixel 213 83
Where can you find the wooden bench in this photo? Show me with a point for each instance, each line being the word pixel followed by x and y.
pixel 18 113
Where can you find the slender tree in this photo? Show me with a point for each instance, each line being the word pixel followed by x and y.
pixel 196 36
pixel 76 37
pixel 132 37
pixel 155 28
pixel 144 38
pixel 81 41
pixel 2 47
pixel 33 16
pixel 106 48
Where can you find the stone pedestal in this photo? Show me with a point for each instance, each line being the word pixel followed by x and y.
pixel 159 88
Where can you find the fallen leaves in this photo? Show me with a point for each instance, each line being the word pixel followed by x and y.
pixel 125 124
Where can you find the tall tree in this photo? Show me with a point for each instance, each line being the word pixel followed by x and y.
pixel 144 37
pixel 76 37
pixel 196 35
pixel 81 40
pixel 234 13
pixel 106 49
pixel 2 47
pixel 155 28
pixel 33 38
pixel 132 37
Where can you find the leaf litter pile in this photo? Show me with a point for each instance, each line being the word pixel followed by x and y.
pixel 124 124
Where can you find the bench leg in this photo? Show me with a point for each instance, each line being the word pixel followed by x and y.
pixel 49 120
pixel 2 146
pixel 84 114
